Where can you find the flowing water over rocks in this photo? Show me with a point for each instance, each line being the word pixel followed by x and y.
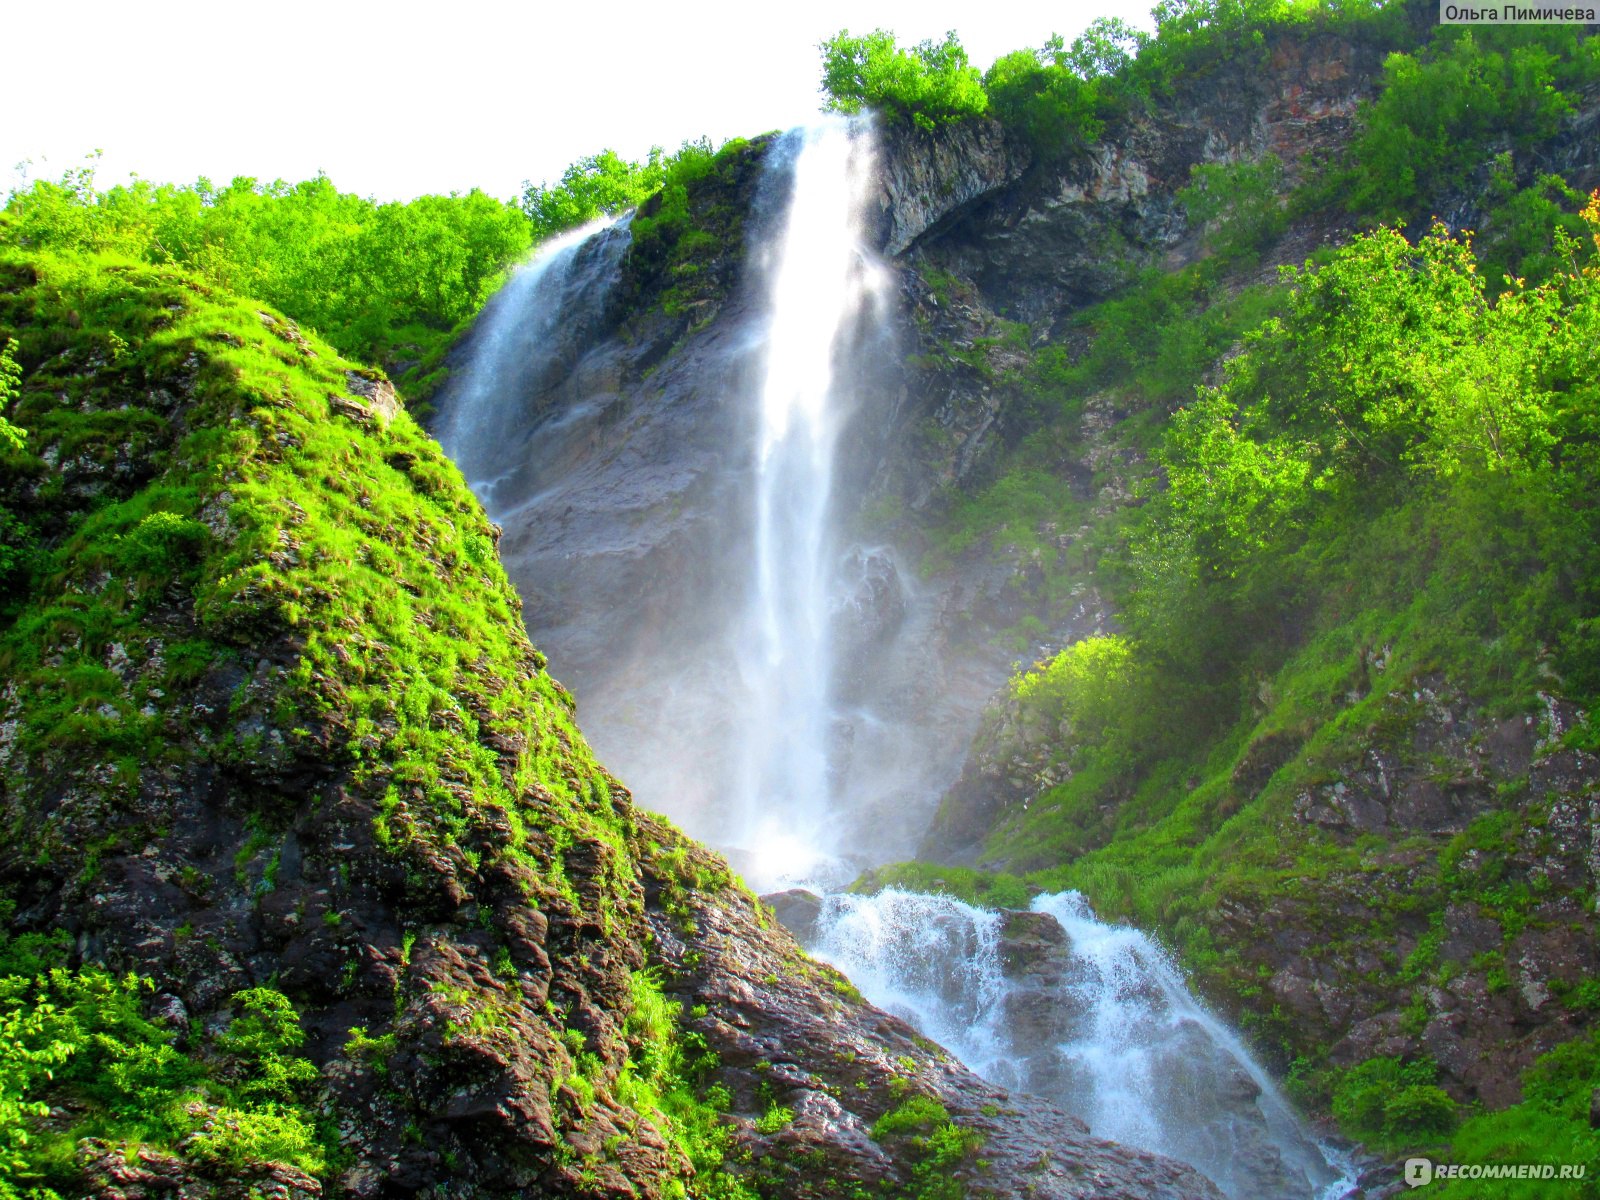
pixel 1090 1016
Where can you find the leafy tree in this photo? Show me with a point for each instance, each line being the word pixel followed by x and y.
pixel 1107 46
pixel 1049 104
pixel 928 85
pixel 385 282
pixel 602 184
pixel 10 387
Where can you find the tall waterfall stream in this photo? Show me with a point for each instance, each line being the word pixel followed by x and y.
pixel 1093 1017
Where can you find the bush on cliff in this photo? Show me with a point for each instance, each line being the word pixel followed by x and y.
pixel 927 85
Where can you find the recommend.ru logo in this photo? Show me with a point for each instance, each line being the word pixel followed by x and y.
pixel 1422 1171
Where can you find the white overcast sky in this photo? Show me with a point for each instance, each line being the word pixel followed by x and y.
pixel 393 100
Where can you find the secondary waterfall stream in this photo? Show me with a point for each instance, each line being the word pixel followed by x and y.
pixel 750 730
pixel 1094 1017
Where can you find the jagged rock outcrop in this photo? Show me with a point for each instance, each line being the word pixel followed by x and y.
pixel 1482 905
pixel 928 177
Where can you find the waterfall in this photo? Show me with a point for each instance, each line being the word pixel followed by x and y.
pixel 820 283
pixel 672 504
pixel 1094 1017
pixel 525 336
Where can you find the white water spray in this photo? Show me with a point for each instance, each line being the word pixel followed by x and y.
pixel 821 283
pixel 1094 1017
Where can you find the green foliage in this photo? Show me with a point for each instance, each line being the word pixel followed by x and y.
pixel 1393 384
pixel 162 545
pixel 1529 229
pixel 918 1114
pixel 1058 98
pixel 675 238
pixel 1080 686
pixel 385 282
pixel 1239 205
pixel 1050 106
pixel 1393 1104
pixel 603 184
pixel 258 1041
pixel 928 85
pixel 939 1144
pixel 1550 1125
pixel 10 386
pixel 606 184
pixel 665 1080
pixel 774 1119
pixel 1443 111
pixel 235 1138
pixel 1158 336
pixel 79 1039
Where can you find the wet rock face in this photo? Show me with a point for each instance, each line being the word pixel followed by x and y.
pixel 796 910
pixel 870 611
pixel 792 1032
pixel 109 1173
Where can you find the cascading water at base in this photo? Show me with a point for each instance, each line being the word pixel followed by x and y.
pixel 1091 1016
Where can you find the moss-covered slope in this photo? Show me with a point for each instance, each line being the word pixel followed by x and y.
pixel 270 717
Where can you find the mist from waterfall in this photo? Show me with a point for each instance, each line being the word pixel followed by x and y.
pixel 1092 1016
pixel 821 281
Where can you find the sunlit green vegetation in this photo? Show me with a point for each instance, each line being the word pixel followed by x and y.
pixel 607 185
pixel 265 503
pixel 385 283
pixel 930 84
pixel 1445 109
pixel 79 1041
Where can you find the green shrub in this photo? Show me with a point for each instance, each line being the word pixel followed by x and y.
pixel 162 545
pixel 1392 1103
pixel 928 85
pixel 1443 108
